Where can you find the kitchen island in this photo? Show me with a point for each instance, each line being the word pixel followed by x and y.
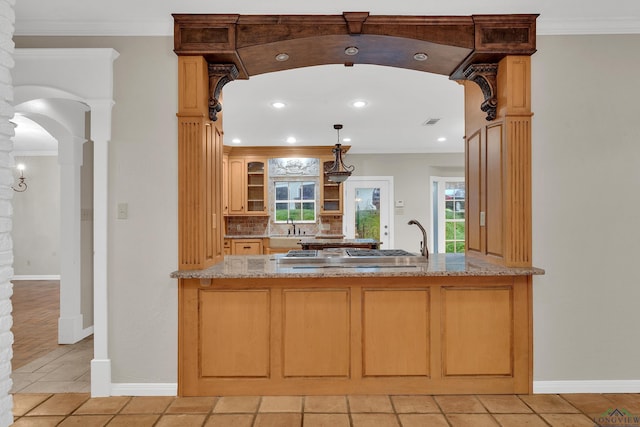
pixel 268 325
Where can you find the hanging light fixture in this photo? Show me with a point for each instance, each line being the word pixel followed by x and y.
pixel 21 186
pixel 338 171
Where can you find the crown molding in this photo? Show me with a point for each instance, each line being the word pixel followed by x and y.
pixel 545 27
pixel 596 26
pixel 37 27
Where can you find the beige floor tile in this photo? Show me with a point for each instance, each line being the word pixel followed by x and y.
pixel 147 405
pixel 460 404
pixel 326 404
pixel 57 387
pixel 23 403
pixel 325 420
pixel 237 404
pixel 191 405
pixel 589 403
pixel 548 404
pixel 374 420
pixel 230 420
pixel 423 420
pixel 568 420
pixel 50 421
pixel 519 420
pixel 278 420
pixel 369 403
pixel 504 404
pixel 86 421
pixel 414 404
pixel 147 420
pixel 472 420
pixel 66 372
pixel 23 380
pixel 103 405
pixel 181 420
pixel 60 404
pixel 281 404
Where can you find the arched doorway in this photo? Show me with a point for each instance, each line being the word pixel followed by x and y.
pixel 83 76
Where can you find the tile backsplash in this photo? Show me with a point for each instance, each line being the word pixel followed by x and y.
pixel 260 226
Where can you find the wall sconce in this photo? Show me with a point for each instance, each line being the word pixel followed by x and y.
pixel 22 186
pixel 338 171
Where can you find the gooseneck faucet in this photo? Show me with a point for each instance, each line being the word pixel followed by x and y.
pixel 294 225
pixel 423 245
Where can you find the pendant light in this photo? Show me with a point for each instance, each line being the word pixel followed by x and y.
pixel 338 171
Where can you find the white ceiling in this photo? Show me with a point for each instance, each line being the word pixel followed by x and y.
pixel 399 101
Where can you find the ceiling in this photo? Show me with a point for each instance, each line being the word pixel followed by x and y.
pixel 398 101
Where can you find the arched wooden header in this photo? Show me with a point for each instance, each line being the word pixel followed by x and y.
pixel 215 49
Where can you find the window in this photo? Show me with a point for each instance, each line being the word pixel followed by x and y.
pixel 454 217
pixel 295 200
pixel 448 214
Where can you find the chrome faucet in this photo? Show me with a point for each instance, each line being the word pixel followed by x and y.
pixel 423 245
pixel 294 225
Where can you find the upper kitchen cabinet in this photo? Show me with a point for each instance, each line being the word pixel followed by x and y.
pixel 330 194
pixel 247 186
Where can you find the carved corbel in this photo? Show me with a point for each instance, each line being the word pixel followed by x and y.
pixel 485 76
pixel 219 75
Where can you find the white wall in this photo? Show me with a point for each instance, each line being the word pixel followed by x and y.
pixel 586 158
pixel 36 220
pixel 411 174
pixel 586 204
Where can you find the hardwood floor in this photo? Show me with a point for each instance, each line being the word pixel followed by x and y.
pixel 36 308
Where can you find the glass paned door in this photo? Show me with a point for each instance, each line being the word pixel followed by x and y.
pixel 367 209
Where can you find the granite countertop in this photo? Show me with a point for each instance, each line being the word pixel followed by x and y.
pixel 267 266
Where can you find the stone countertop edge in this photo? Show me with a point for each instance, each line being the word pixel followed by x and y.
pixel 266 266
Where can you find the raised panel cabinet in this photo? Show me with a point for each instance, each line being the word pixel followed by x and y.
pixel 246 246
pixel 247 186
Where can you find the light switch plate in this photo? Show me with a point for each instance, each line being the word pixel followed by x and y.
pixel 123 210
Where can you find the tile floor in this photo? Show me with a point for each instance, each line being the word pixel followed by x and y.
pixel 77 409
pixel 51 388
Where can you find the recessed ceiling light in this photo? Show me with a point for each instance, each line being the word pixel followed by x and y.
pixel 351 50
pixel 281 57
pixel 236 140
pixel 359 103
pixel 442 139
pixel 346 139
pixel 420 56
pixel 291 140
pixel 278 104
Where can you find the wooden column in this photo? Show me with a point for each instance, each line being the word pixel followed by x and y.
pixel 498 162
pixel 200 221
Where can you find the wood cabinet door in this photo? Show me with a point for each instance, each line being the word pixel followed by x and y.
pixel 237 195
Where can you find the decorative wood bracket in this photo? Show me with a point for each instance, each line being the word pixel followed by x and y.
pixel 485 76
pixel 219 75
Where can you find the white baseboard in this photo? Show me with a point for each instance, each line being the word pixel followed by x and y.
pixel 588 386
pixel 539 387
pixel 144 389
pixel 36 277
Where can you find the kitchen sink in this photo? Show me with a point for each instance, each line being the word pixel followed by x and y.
pixel 285 242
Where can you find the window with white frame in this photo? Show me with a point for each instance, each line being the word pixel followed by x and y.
pixel 295 200
pixel 448 214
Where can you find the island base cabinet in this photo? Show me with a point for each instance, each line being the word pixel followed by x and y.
pixel 323 336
